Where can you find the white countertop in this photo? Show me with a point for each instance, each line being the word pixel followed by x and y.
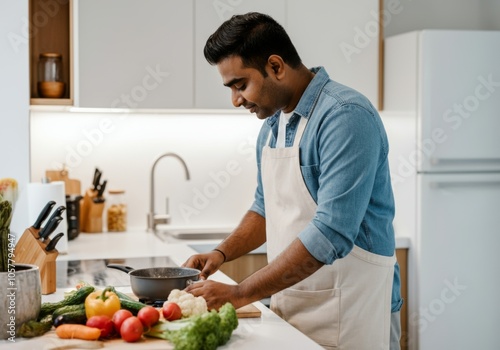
pixel 267 332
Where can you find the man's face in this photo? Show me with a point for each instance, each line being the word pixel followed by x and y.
pixel 249 88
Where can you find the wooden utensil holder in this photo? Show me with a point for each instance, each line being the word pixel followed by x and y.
pixel 91 213
pixel 30 250
pixel 94 220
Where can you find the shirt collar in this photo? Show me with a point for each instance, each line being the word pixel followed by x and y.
pixel 309 97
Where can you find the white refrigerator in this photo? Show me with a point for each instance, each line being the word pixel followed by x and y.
pixel 442 115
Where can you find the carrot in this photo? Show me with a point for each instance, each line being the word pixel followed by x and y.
pixel 77 331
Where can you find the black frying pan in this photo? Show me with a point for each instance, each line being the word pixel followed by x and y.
pixel 156 283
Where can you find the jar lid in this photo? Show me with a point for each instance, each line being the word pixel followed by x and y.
pixel 51 55
pixel 116 191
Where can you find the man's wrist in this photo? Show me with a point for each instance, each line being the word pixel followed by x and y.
pixel 222 253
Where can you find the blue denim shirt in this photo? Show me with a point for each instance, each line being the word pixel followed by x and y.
pixel 343 157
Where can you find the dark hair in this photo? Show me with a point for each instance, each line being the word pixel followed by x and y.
pixel 253 37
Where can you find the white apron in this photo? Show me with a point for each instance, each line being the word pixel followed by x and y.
pixel 346 305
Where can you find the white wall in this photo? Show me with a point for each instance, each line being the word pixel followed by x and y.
pixel 14 101
pixel 219 150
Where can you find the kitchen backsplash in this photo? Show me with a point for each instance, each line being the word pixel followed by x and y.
pixel 218 148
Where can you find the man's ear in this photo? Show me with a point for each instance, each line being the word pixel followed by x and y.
pixel 277 66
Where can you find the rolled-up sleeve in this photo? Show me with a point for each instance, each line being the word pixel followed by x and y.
pixel 349 146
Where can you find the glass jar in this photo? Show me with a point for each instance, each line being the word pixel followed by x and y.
pixel 117 211
pixel 50 83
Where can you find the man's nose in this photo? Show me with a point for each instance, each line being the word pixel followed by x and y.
pixel 237 99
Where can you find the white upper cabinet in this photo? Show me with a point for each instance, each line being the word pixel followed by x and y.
pixel 135 54
pixel 342 36
pixel 209 91
pixel 149 54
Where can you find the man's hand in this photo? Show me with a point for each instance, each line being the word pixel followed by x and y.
pixel 207 263
pixel 217 294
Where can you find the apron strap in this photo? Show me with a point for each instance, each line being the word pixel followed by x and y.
pixel 300 131
pixel 298 135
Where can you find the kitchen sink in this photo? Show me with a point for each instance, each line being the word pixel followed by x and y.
pixel 166 233
pixel 94 271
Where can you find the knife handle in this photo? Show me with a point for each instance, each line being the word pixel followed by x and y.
pixel 52 243
pixel 43 215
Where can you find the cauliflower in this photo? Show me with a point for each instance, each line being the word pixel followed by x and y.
pixel 189 304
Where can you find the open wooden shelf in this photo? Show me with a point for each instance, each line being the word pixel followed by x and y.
pixel 51 31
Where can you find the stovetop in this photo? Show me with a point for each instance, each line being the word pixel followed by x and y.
pixel 95 272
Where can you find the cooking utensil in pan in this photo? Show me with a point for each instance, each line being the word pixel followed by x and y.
pixel 156 283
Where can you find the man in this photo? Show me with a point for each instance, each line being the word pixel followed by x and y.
pixel 323 203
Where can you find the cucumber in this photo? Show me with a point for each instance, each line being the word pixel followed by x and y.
pixel 33 328
pixel 68 309
pixel 72 299
pixel 122 295
pixel 127 302
pixel 131 305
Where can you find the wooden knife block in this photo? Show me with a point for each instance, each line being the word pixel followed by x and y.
pixel 91 213
pixel 30 250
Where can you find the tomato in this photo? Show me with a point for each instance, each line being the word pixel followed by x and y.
pixel 148 315
pixel 131 329
pixel 171 311
pixel 119 317
pixel 103 323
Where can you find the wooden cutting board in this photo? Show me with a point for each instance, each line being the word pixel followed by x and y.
pixel 248 311
pixel 51 341
pixel 71 186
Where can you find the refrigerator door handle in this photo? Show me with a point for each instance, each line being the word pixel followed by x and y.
pixel 465 161
pixel 462 184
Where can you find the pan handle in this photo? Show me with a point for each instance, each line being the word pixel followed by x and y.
pixel 123 268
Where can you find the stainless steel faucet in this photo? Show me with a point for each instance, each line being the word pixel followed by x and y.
pixel 153 218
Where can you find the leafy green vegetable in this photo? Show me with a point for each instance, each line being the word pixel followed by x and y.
pixel 5 217
pixel 8 197
pixel 201 332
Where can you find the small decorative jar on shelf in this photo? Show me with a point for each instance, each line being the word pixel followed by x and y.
pixel 50 83
pixel 117 211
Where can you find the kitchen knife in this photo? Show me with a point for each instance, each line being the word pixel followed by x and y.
pixel 58 212
pixel 50 227
pixel 95 176
pixel 97 179
pixel 100 192
pixel 52 244
pixel 43 215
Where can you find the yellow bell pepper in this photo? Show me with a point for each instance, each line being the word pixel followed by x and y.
pixel 101 303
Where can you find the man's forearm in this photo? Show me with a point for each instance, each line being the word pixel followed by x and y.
pixel 249 235
pixel 293 265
